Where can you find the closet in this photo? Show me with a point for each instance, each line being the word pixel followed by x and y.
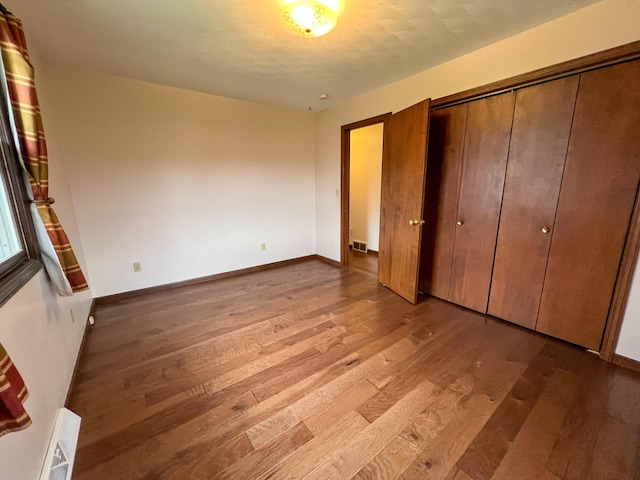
pixel 529 195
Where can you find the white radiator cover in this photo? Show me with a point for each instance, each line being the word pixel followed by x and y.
pixel 360 246
pixel 58 463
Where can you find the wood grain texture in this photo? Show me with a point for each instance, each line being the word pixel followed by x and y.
pixel 404 166
pixel 347 461
pixel 486 148
pixel 449 377
pixel 444 166
pixel 592 223
pixel 530 449
pixel 539 141
pixel 405 447
pixel 490 446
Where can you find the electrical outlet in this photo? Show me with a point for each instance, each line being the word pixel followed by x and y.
pixel 337 192
pixel 137 266
pixel 263 246
pixel 73 319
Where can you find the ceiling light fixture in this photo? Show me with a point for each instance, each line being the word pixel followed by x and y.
pixel 308 18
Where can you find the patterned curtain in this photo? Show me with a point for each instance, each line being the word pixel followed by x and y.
pixel 13 394
pixel 58 257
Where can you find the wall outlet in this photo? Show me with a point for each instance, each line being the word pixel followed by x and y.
pixel 263 246
pixel 137 266
pixel 337 192
pixel 73 319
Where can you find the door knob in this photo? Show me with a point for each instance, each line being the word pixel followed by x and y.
pixel 412 222
pixel 545 230
pixel 459 223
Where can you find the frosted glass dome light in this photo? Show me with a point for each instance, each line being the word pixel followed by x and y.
pixel 308 18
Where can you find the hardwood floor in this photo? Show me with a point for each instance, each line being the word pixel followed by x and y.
pixel 309 371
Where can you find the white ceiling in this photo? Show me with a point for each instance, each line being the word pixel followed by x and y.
pixel 237 48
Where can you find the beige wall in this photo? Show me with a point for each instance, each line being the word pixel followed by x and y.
pixel 629 342
pixel 37 330
pixel 365 183
pixel 603 25
pixel 187 183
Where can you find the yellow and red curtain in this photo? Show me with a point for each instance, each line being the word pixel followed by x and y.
pixel 13 394
pixel 33 152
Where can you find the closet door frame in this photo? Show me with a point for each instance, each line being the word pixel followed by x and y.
pixel 631 250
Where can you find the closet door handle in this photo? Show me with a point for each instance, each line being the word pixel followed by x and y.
pixel 545 230
pixel 459 223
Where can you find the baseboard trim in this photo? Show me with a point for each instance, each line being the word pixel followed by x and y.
pixel 334 263
pixel 626 362
pixel 117 297
pixel 79 358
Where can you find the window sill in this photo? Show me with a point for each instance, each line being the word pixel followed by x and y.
pixel 17 278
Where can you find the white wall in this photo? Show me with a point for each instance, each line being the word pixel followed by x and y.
pixel 365 185
pixel 187 183
pixel 39 335
pixel 603 25
pixel 629 341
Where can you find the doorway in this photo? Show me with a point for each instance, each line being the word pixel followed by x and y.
pixel 362 151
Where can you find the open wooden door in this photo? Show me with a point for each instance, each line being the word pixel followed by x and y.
pixel 404 167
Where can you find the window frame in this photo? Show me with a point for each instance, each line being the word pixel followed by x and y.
pixel 16 271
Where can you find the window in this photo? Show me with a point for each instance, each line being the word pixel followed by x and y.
pixel 18 246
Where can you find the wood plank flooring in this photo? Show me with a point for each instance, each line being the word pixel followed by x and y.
pixel 308 371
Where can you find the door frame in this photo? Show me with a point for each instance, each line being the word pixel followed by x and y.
pixel 345 176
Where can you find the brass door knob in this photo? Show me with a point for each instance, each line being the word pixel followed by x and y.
pixel 459 223
pixel 412 222
pixel 545 230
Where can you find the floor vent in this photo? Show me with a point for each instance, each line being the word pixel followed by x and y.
pixel 58 464
pixel 359 246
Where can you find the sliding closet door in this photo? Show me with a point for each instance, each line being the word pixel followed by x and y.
pixel 446 141
pixel 483 170
pixel 596 200
pixel 539 140
pixel 403 177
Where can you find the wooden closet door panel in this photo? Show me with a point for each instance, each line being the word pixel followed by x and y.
pixel 597 196
pixel 539 140
pixel 404 167
pixel 444 165
pixel 483 170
